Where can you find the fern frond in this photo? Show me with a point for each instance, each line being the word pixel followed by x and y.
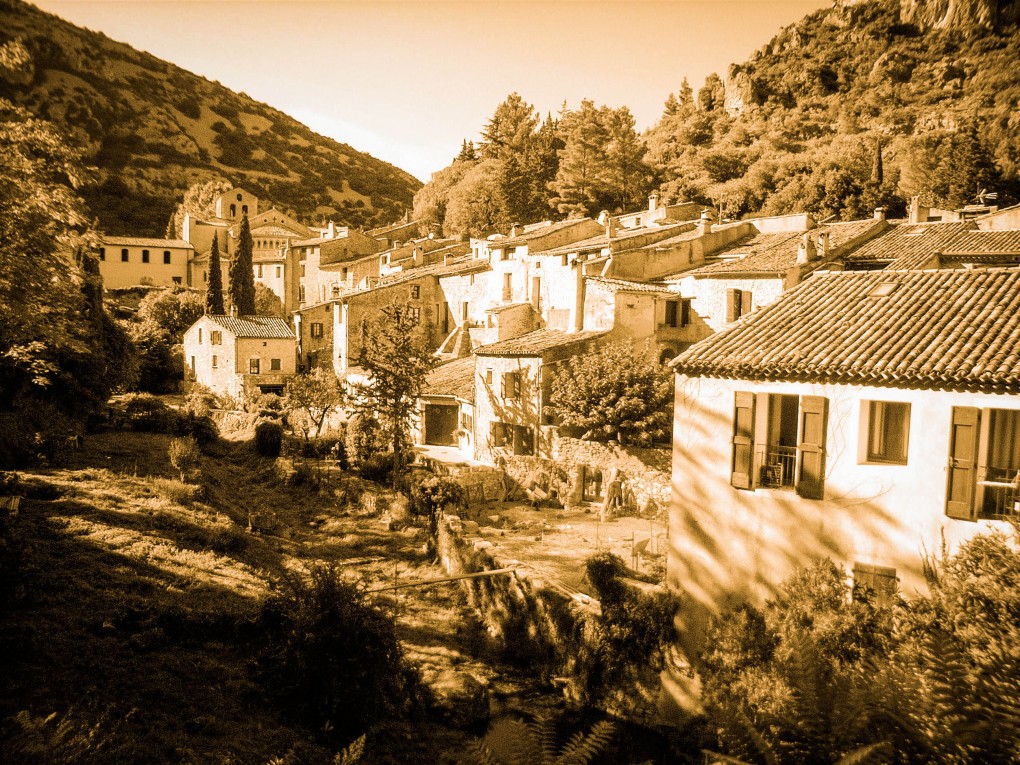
pixel 352 753
pixel 741 738
pixel 513 742
pixel 583 748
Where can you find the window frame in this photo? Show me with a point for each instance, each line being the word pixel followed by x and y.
pixel 275 365
pixel 315 329
pixel 255 366
pixel 874 415
pixel 166 257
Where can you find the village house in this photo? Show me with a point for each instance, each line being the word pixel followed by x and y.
pixel 240 355
pixel 341 261
pixel 447 409
pixel 865 417
pixel 127 261
pixel 512 385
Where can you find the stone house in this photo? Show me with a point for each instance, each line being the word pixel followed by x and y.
pixel 127 261
pixel 239 355
pixel 864 417
pixel 512 383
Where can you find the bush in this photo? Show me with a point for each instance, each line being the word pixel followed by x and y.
pixel 203 430
pixel 148 414
pixel 331 659
pixel 362 439
pixel 268 439
pixel 430 494
pixel 184 454
pixel 378 467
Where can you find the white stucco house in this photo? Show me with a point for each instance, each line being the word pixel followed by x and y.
pixel 864 416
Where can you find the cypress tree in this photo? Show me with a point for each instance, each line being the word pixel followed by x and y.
pixel 242 275
pixel 214 292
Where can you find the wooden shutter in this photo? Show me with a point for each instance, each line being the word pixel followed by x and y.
pixel 743 440
pixel 811 447
pixel 745 302
pixel 963 447
pixel 670 313
pixel 502 385
pixel 732 304
pixel 685 313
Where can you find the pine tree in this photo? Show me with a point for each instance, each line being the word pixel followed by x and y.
pixel 242 274
pixel 877 174
pixel 578 181
pixel 214 292
pixel 628 179
pixel 510 130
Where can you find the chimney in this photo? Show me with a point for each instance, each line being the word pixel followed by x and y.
pixel 916 212
pixel 579 296
pixel 415 257
pixel 233 310
pixel 705 224
pixel 806 252
pixel 653 202
pixel 879 213
pixel 823 244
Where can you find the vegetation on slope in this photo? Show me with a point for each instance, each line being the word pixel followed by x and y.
pixel 155 129
pixel 846 110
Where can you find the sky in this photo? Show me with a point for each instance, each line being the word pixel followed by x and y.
pixel 408 80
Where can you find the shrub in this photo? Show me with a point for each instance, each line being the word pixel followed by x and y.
pixel 177 491
pixel 330 658
pixel 378 467
pixel 184 454
pixel 149 414
pixel 362 439
pixel 268 439
pixel 430 494
pixel 203 430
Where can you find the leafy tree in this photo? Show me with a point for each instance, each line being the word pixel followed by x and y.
pixel 316 395
pixel 432 199
pixel 214 290
pixel 397 357
pixel 476 205
pixel 267 302
pixel 614 393
pixel 242 274
pixel 184 455
pixel 172 311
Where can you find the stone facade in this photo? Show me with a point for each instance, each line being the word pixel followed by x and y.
pixel 133 261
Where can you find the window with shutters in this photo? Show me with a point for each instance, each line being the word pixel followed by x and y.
pixel 254 365
pixel 885 427
pixel 215 362
pixel 778 442
pixel 316 329
pixel 983 474
pixel 876 583
pixel 215 337
pixel 511 385
pixel 414 314
pixel 415 291
pixel 738 303
pixel 274 365
pixel 488 377
pixel 500 434
pixel 678 313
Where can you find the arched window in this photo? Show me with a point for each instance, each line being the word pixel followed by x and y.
pixel 233 211
pixel 244 209
pixel 238 197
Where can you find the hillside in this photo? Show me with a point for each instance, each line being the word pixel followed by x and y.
pixel 863 104
pixel 153 129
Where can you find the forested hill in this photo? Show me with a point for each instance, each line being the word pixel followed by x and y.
pixel 154 129
pixel 866 103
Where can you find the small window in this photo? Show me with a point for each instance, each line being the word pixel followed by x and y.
pixel 301 293
pixel 166 257
pixel 488 377
pixel 500 434
pixel 258 270
pixel 238 197
pixel 279 271
pixel 888 426
pixel 415 314
pixel 317 329
pixel 199 335
pixel 672 313
pixel 415 291
pixel 738 303
pixel 215 361
pixel 511 385
pixel 244 209
pixel 124 255
pixel 102 253
pixel 215 337
pixel 254 366
pixel 177 280
pixel 145 256
pixel 302 269
pixel 274 365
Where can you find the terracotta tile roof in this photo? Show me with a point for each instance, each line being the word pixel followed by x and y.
pixel 455 378
pixel 272 230
pixel 622 285
pixel 535 343
pixel 909 244
pixel 254 326
pixel 776 253
pixel 136 241
pixel 951 330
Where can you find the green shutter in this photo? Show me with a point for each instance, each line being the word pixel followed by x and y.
pixel 745 302
pixel 811 447
pixel 732 304
pixel 961 473
pixel 743 440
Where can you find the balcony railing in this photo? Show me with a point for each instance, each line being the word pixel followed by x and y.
pixel 780 467
pixel 1001 494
